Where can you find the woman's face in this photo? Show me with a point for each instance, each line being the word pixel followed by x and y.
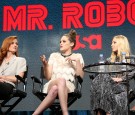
pixel 65 44
pixel 13 46
pixel 114 45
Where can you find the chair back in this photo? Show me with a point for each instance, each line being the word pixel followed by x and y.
pixel 42 77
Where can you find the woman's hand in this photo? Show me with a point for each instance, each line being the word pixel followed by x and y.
pixel 117 79
pixel 72 58
pixel 1 79
pixel 79 66
pixel 43 60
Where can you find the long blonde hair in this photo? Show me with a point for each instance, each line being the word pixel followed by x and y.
pixel 5 47
pixel 123 46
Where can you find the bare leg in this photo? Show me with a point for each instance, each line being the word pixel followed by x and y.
pixel 63 94
pixel 60 89
pixel 98 113
pixel 47 101
pixel 133 108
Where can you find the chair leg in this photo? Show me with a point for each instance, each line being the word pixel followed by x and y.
pixel 59 113
pixel 0 111
pixel 11 107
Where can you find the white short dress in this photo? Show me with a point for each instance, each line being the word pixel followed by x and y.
pixel 63 69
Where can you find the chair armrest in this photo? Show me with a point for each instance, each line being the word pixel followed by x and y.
pixel 24 81
pixel 80 80
pixel 35 79
pixel 78 86
pixel 20 78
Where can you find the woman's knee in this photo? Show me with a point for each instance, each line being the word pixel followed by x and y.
pixel 54 90
pixel 61 82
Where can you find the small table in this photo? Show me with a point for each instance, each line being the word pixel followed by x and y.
pixel 109 68
pixel 105 68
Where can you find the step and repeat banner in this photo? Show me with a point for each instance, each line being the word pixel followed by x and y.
pixel 39 25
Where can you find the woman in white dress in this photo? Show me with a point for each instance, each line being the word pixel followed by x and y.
pixel 10 65
pixel 60 70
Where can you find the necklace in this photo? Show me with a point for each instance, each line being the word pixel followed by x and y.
pixel 66 55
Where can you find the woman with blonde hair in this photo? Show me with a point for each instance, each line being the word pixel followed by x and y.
pixel 122 46
pixel 108 93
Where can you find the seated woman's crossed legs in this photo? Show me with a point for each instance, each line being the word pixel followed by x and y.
pixel 56 87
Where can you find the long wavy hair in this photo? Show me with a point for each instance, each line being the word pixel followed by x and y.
pixel 5 47
pixel 123 46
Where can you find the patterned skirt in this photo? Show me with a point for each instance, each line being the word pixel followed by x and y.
pixel 108 95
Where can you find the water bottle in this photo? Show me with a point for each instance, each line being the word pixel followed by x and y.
pixel 101 61
pixel 123 60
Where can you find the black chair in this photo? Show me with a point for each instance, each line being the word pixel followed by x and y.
pixel 19 92
pixel 55 107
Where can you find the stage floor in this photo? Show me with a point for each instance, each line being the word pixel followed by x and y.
pixel 71 112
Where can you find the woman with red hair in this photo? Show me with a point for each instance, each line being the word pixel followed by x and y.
pixel 10 65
